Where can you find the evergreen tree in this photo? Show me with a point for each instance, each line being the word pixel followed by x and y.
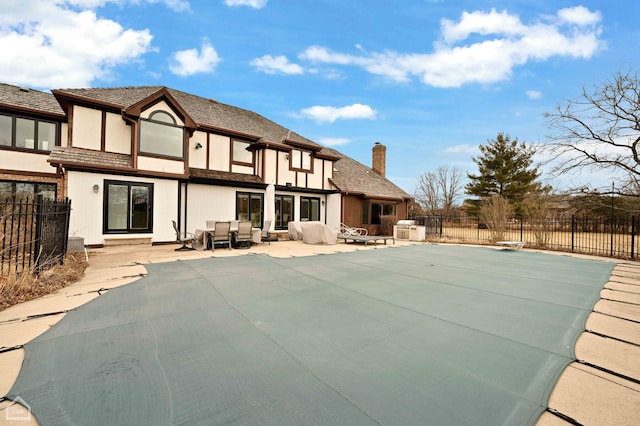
pixel 505 168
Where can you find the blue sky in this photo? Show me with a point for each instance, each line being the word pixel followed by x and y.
pixel 430 79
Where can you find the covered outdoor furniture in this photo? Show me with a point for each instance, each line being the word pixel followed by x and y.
pixel 183 237
pixel 221 234
pixel 312 232
pixel 243 236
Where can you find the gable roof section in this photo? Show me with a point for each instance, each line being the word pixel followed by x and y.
pixel 29 101
pixel 352 177
pixel 162 94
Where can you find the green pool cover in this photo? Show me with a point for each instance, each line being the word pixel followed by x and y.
pixel 424 334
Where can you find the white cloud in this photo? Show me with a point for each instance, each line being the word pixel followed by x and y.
pixel 256 4
pixel 331 113
pixel 54 44
pixel 481 23
pixel 579 15
pixel 333 141
pixel 533 94
pixel 504 43
pixel 190 61
pixel 175 5
pixel 276 64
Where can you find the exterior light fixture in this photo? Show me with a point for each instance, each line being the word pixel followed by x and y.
pixel 96 188
pixel 198 145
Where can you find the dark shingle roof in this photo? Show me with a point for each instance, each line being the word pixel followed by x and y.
pixel 29 100
pixel 354 177
pixel 205 112
pixel 226 176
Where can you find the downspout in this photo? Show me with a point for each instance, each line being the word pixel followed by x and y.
pixel 186 204
pixel 134 139
pixel 326 207
pixel 179 203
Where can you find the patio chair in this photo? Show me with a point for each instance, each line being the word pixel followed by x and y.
pixel 265 235
pixel 221 234
pixel 183 237
pixel 243 235
pixel 351 231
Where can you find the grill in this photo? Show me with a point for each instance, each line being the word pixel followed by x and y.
pixel 405 224
pixel 403 227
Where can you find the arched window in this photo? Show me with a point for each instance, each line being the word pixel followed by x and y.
pixel 160 135
pixel 162 117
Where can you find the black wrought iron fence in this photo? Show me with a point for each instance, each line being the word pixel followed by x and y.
pixel 606 236
pixel 33 233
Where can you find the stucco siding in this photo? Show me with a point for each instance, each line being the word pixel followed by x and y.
pixel 333 210
pixel 219 151
pixel 87 128
pixel 242 169
pixel 117 134
pixel 269 175
pixel 160 165
pixel 198 157
pixel 328 174
pixel 25 161
pixel 284 174
pixel 314 180
pixel 64 134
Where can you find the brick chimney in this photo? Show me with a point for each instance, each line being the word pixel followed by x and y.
pixel 379 152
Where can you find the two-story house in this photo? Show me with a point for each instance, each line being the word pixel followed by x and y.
pixel 132 159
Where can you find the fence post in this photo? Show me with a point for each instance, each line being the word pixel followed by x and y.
pixel 521 222
pixel 38 240
pixel 633 235
pixel 573 231
pixel 67 211
pixel 611 239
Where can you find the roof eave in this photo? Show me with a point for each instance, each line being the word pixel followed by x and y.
pixel 33 111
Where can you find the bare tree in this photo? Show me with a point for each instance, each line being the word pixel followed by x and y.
pixel 599 131
pixel 536 210
pixel 426 193
pixel 438 191
pixel 495 212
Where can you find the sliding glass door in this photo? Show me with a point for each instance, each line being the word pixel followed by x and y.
pixel 128 207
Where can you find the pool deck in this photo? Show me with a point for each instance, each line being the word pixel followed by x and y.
pixel 603 387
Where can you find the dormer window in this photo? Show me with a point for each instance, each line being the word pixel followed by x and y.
pixel 301 160
pixel 160 135
pixel 240 153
